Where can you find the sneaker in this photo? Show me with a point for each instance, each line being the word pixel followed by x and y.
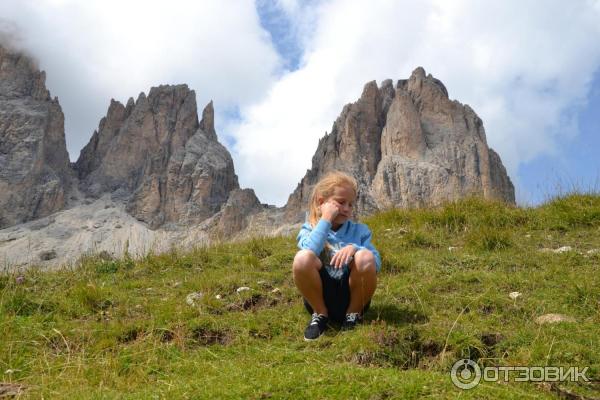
pixel 316 327
pixel 352 319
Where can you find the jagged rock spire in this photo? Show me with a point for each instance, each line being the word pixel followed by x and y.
pixel 408 145
pixel 156 155
pixel 34 163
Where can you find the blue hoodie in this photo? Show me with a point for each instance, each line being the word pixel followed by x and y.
pixel 350 232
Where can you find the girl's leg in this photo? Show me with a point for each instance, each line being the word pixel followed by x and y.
pixel 363 280
pixel 306 268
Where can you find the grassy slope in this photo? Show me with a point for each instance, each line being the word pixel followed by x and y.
pixel 123 329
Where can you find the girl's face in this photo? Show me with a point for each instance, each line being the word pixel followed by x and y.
pixel 345 197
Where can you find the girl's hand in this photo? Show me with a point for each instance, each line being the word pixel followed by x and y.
pixel 330 210
pixel 343 256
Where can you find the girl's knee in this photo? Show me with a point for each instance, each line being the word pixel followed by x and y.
pixel 363 257
pixel 364 263
pixel 306 259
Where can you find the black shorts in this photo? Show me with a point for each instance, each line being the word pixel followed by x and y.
pixel 336 294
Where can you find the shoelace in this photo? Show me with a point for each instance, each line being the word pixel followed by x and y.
pixel 316 319
pixel 352 317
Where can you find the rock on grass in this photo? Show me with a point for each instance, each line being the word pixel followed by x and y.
pixel 553 319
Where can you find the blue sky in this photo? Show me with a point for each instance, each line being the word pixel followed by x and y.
pixel 575 166
pixel 279 72
pixel 280 26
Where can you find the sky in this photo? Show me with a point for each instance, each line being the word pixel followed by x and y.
pixel 279 72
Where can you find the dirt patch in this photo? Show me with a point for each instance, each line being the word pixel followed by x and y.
pixel 430 348
pixel 166 335
pixel 401 349
pixel 205 336
pixel 491 339
pixel 178 335
pixel 487 309
pixel 130 335
pixel 367 358
pixel 254 302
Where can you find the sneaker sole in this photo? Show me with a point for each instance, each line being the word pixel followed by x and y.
pixel 312 340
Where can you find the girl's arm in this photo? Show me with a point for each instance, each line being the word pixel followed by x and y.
pixel 365 243
pixel 314 238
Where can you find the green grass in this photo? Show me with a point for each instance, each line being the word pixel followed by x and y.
pixel 123 329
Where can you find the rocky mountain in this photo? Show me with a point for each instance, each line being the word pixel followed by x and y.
pixel 156 156
pixel 154 176
pixel 407 145
pixel 34 164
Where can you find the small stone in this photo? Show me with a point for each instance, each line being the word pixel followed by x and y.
pixel 514 295
pixel 452 248
pixel 138 306
pixel 553 319
pixel 563 249
pixel 242 289
pixel 218 297
pixel 192 298
pixel 10 390
pixel 276 291
pixel 97 225
pixel 19 280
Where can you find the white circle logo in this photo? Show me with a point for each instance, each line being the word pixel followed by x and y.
pixel 465 374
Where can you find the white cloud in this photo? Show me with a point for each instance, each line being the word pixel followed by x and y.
pixel 522 65
pixel 93 51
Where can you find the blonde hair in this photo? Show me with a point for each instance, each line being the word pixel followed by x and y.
pixel 325 189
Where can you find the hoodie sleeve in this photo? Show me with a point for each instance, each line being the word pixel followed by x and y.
pixel 365 243
pixel 313 239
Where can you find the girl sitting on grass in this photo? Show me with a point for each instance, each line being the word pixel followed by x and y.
pixel 336 267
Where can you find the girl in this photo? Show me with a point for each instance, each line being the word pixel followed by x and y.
pixel 336 267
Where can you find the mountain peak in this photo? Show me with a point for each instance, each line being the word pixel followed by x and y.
pixel 34 167
pixel 408 146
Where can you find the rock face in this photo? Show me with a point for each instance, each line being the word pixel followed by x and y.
pixel 234 214
pixel 407 145
pixel 34 163
pixel 155 155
